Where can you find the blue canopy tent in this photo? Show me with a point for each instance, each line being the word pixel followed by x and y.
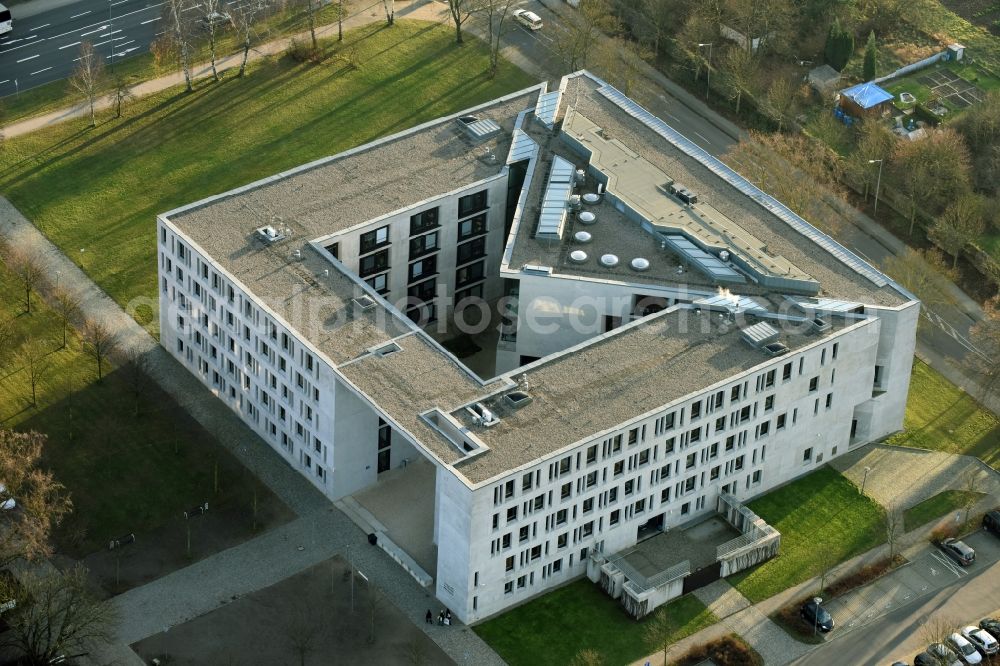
pixel 864 99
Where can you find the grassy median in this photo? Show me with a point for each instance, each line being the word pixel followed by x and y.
pixel 96 192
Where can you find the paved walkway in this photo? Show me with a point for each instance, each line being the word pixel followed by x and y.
pixel 903 477
pixel 425 10
pixel 320 531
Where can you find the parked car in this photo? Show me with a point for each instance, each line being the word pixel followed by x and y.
pixel 958 551
pixel 965 649
pixel 943 655
pixel 981 638
pixel 992 625
pixel 991 521
pixel 529 20
pixel 816 616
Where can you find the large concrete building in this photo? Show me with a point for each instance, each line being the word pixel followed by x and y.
pixel 654 331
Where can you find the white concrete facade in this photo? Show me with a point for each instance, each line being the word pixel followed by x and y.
pixel 504 536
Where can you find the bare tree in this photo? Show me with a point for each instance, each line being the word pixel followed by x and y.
pixel 738 68
pixel 121 93
pixel 594 18
pixel 58 614
pixel 373 602
pixel 303 631
pixel 931 172
pixel 971 485
pixel 42 501
pixel 619 61
pixel 961 223
pixel 312 8
pixel 180 29
pixel 135 371
pixel 99 341
pixel 461 10
pixel 212 16
pixel 6 340
pixel 390 11
pixel 922 272
pixel 875 141
pixel 827 561
pixel 34 361
pixel 659 630
pixel 937 628
pixel 658 18
pixel 986 338
pixel 245 16
pixel 88 77
pixel 496 15
pixel 779 102
pixel 894 528
pixel 340 20
pixel 66 305
pixel 27 267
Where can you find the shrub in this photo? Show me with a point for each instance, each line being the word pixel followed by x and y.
pixel 301 51
pixel 729 650
pixel 942 532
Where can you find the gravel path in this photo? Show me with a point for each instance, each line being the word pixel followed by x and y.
pixel 320 532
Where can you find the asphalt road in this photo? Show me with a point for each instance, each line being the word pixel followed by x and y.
pixel 46 46
pixel 898 635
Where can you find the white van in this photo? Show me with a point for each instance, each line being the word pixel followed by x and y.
pixel 6 22
pixel 529 20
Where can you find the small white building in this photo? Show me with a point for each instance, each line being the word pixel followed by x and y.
pixel 664 331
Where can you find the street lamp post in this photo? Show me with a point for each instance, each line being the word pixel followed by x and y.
pixel 817 601
pixel 865 480
pixel 878 184
pixel 708 68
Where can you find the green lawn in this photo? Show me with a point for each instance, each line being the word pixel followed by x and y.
pixel 557 626
pixel 823 519
pixel 122 470
pixel 937 506
pixel 942 417
pixel 96 192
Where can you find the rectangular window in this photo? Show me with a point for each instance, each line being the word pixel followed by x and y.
pixel 526 481
pixel 668 446
pixel 813 384
pixel 470 273
pixel 423 291
pixel 615 517
pixel 786 372
pixel 422 245
pixel 619 467
pixel 380 283
pixel 374 239
pixel 471 203
pixel 691 459
pixel 689 484
pixel 588 505
pixel 423 267
pixel 423 221
pixel 807 455
pixel 474 226
pixel 373 263
pixel 695 410
pixel 565 491
pixel 474 249
pixel 561 517
pixel 829 400
pixel 592 454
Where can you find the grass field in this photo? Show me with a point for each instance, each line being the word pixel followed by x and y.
pixel 554 628
pixel 937 506
pixel 96 192
pixel 942 417
pixel 125 473
pixel 823 520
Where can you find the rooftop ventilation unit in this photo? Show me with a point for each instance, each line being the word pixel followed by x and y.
pixel 819 324
pixel 552 218
pixel 775 349
pixel 683 193
pixel 640 264
pixel 581 176
pixel 482 416
pixel 586 217
pixel 479 129
pixel 759 335
pixel 574 202
pixel 364 303
pixel 269 234
pixel 385 350
pixel 517 399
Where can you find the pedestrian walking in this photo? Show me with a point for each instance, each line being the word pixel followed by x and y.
pixel 429 618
